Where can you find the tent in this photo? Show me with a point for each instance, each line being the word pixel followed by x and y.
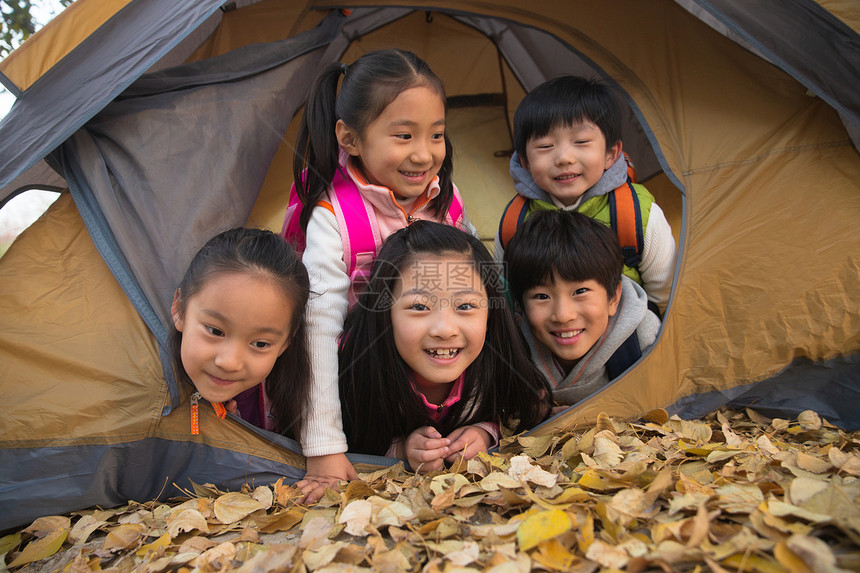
pixel 166 122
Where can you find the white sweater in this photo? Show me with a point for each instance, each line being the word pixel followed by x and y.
pixel 322 431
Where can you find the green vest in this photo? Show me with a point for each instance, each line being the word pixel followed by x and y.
pixel 598 208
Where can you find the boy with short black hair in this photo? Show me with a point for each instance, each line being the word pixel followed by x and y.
pixel 567 140
pixel 584 321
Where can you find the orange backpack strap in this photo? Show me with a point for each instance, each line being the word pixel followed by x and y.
pixel 512 217
pixel 625 216
pixel 631 169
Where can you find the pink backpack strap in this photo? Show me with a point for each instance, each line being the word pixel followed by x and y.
pixel 359 231
pixel 291 230
pixel 455 211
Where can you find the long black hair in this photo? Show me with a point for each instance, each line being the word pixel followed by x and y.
pixel 265 254
pixel 377 400
pixel 369 85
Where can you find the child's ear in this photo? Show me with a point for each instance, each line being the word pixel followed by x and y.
pixel 346 137
pixel 612 155
pixel 286 343
pixel 615 300
pixel 176 311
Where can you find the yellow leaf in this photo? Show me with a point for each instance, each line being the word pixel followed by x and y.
pixel 572 495
pixel 41 548
pixel 542 526
pixel 233 506
pixel 162 541
pixel 443 499
pixel 594 481
pixel 586 530
pixel 700 450
pixel 789 559
pixel 750 562
pixel 535 446
pixel 553 555
pixel 9 543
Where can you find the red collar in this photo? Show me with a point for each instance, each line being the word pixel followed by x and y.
pixel 437 412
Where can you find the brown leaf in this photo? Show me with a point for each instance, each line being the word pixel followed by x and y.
pixel 809 420
pixel 656 416
pixel 48 525
pixel 83 528
pixel 315 533
pixel 187 520
pixel 122 537
pixel 280 521
pixel 233 506
pixel 356 489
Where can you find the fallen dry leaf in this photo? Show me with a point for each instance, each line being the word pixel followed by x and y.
pixel 735 491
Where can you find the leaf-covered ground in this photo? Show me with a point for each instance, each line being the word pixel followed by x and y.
pixel 733 492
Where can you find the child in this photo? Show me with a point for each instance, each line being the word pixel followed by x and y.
pixel 567 140
pixel 239 337
pixel 431 359
pixel 370 158
pixel 585 322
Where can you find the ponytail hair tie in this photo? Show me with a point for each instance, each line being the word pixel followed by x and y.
pixel 343 68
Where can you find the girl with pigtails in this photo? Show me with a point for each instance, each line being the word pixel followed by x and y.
pixel 372 156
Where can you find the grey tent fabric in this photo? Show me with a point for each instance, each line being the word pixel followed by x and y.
pixel 762 26
pixel 91 76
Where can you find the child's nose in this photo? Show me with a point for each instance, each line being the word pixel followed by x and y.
pixel 442 326
pixel 229 357
pixel 564 155
pixel 421 152
pixel 564 311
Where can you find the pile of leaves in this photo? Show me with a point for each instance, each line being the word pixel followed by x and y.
pixel 733 492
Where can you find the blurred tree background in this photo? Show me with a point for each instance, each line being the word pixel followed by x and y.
pixel 22 17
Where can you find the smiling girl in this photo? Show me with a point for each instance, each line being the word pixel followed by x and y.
pixel 372 155
pixel 239 329
pixel 431 361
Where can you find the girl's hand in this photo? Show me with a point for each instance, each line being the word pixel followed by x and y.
pixel 322 472
pixel 426 449
pixel 467 442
